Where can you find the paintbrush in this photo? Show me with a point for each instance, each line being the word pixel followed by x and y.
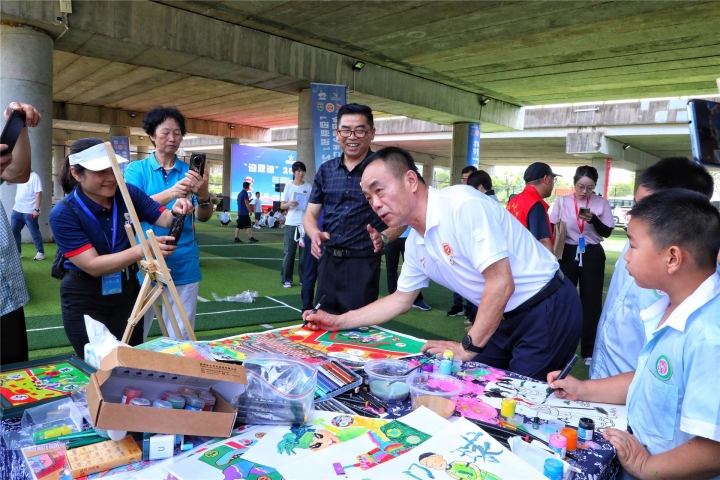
pixel 563 374
pixel 315 310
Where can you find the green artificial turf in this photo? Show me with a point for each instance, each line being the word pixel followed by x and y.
pixel 230 268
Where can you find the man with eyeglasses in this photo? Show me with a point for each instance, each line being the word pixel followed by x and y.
pixel 349 246
pixel 529 205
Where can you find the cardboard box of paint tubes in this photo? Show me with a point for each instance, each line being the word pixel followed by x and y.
pixel 127 371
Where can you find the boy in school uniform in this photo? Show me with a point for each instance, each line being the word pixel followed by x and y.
pixel 672 398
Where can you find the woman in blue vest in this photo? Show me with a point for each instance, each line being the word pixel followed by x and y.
pixel 89 228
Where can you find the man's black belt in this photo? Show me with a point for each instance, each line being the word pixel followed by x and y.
pixel 345 253
pixel 550 288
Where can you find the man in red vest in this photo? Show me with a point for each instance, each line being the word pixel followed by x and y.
pixel 529 207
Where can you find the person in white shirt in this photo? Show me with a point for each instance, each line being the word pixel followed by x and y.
pixel 294 199
pixel 26 211
pixel 529 316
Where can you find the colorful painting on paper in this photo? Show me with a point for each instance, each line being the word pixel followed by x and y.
pixel 460 451
pixel 323 430
pixel 349 346
pixel 225 460
pixel 172 347
pixel 30 385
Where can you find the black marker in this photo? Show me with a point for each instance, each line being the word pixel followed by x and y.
pixel 315 310
pixel 563 374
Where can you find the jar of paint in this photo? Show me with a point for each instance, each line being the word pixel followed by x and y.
pixel 188 396
pixel 194 404
pixel 558 444
pixel 387 377
pixel 176 401
pixel 167 393
pixel 507 407
pixel 209 400
pixel 515 420
pixel 182 390
pixel 572 437
pixel 140 402
pixel 437 392
pixel 586 428
pixel 162 404
pixel 129 393
pixel 553 469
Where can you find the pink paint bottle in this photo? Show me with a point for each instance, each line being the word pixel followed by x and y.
pixel 558 444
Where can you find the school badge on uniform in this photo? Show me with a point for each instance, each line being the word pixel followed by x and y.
pixel 448 251
pixel 663 368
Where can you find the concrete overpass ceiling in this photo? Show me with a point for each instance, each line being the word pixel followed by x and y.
pixel 659 145
pixel 526 53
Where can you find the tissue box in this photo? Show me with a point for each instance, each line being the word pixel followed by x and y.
pixel 154 373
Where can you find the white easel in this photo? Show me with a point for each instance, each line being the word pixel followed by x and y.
pixel 153 267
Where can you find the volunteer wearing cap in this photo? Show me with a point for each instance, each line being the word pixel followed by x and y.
pixel 589 219
pixel 89 227
pixel 529 316
pixel 529 207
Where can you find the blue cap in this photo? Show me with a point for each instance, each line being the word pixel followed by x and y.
pixel 553 469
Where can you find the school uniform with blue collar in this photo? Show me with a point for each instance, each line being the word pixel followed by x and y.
pixel 674 394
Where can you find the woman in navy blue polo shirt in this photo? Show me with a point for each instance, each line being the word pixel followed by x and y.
pixel 89 227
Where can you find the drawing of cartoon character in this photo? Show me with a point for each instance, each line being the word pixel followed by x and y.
pixel 391 440
pixel 246 470
pixel 310 437
pixel 456 470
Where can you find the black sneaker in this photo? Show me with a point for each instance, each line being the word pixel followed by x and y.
pixel 237 240
pixel 253 240
pixel 455 311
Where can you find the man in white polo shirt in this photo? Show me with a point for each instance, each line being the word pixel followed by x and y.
pixel 529 317
pixel 26 211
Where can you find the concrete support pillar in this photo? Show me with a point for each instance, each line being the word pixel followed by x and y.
pixel 428 165
pixel 227 172
pixel 458 152
pixel 26 70
pixel 143 152
pixel 59 153
pixel 305 141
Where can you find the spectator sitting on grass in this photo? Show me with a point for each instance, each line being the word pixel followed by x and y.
pixel 224 218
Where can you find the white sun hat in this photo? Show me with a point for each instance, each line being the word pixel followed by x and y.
pixel 94 158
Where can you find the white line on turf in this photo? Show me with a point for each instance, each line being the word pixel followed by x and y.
pixel 282 304
pixel 202 299
pixel 239 258
pixel 285 304
pixel 239 244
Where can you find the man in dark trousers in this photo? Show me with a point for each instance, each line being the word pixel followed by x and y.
pixel 349 267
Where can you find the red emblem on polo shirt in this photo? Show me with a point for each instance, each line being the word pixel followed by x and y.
pixel 447 249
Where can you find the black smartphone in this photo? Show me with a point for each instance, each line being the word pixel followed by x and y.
pixel 584 211
pixel 705 131
pixel 176 228
pixel 197 163
pixel 11 131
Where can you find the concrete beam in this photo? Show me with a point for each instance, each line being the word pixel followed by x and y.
pixel 591 145
pixel 66 137
pixel 124 118
pixel 127 31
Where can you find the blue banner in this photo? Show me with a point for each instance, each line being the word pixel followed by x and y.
pixel 326 100
pixel 263 168
pixel 473 151
pixel 121 145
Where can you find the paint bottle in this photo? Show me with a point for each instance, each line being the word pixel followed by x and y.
pixel 553 469
pixel 572 437
pixel 586 428
pixel 182 390
pixel 194 404
pixel 446 363
pixel 507 407
pixel 140 402
pixel 209 400
pixel 167 393
pixel 536 423
pixel 162 404
pixel 188 396
pixel 558 444
pixel 129 393
pixel 427 367
pixel 176 401
pixel 515 420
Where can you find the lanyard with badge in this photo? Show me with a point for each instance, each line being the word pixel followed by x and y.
pixel 111 283
pixel 581 227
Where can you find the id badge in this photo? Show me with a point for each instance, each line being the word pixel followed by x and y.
pixel 581 244
pixel 112 284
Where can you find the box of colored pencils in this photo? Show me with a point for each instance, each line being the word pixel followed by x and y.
pixel 334 379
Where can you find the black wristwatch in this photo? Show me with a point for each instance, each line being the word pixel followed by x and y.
pixel 467 344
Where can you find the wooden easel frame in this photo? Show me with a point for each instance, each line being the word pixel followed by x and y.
pixel 153 267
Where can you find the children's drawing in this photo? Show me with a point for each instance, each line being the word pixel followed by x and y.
pixel 225 460
pixel 476 409
pixel 530 396
pixel 461 451
pixel 483 374
pixel 283 444
pixel 34 384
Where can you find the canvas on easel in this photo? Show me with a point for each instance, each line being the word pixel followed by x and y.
pixel 153 268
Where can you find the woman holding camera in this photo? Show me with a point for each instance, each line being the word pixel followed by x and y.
pixel 89 227
pixel 166 179
pixel 589 219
